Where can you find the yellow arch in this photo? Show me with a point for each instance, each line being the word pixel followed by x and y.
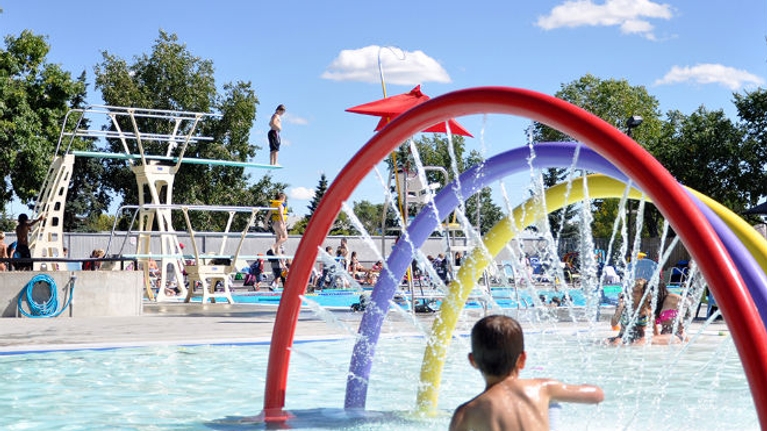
pixel 599 187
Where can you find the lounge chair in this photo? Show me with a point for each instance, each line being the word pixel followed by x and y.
pixel 611 276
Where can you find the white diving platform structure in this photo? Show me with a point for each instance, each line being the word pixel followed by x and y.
pixel 155 174
pixel 208 272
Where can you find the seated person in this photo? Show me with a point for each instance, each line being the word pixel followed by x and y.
pixel 372 275
pixel 153 268
pixel 670 313
pixel 441 268
pixel 342 261
pixel 93 265
pixel 313 280
pixel 355 267
pixel 12 254
pixel 634 316
pixel 325 274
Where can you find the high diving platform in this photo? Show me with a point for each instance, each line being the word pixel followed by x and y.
pixel 154 145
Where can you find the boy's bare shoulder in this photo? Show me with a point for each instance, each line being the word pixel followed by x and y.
pixel 509 405
pixel 475 414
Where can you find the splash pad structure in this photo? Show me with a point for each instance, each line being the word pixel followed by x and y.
pixel 692 225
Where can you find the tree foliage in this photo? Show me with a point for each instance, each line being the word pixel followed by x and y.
pixel 371 217
pixel 34 97
pixel 172 78
pixel 443 158
pixel 481 211
pixel 87 199
pixel 752 111
pixel 704 150
pixel 319 192
pixel 614 101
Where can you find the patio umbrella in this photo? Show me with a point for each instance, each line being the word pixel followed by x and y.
pixel 759 209
pixel 390 107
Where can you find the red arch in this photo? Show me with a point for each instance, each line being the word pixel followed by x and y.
pixel 748 332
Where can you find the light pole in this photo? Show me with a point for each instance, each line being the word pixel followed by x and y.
pixel 632 123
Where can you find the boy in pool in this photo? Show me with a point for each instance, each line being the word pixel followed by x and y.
pixel 509 402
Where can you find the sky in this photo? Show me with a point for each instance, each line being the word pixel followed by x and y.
pixel 319 58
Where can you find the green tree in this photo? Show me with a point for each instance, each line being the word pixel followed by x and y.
pixel 103 223
pixel 300 227
pixel 34 98
pixel 87 199
pixel 172 78
pixel 752 111
pixel 708 152
pixel 7 222
pixel 319 192
pixel 433 153
pixel 342 225
pixel 480 209
pixel 604 213
pixel 371 217
pixel 614 101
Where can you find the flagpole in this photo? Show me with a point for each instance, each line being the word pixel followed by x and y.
pixel 402 208
pixel 380 71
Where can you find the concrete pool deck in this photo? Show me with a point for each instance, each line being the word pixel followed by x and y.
pixel 194 323
pixel 175 323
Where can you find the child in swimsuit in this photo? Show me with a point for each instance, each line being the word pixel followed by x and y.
pixel 633 317
pixel 667 312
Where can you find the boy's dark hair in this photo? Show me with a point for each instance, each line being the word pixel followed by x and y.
pixel 496 343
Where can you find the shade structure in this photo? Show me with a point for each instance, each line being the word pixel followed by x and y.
pixel 390 107
pixel 455 128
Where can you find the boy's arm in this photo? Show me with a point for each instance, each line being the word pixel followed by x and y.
pixel 586 394
pixel 37 220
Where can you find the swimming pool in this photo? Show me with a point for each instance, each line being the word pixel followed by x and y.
pixel 501 297
pixel 205 387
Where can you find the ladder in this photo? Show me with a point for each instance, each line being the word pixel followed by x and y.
pixel 46 239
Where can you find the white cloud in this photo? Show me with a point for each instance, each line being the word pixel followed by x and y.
pixel 729 77
pixel 631 16
pixel 301 193
pixel 399 67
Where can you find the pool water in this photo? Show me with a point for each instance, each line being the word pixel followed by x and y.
pixel 701 387
pixel 501 297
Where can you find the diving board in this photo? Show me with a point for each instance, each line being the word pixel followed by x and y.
pixel 174 160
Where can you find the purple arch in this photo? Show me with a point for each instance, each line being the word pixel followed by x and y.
pixel 512 161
